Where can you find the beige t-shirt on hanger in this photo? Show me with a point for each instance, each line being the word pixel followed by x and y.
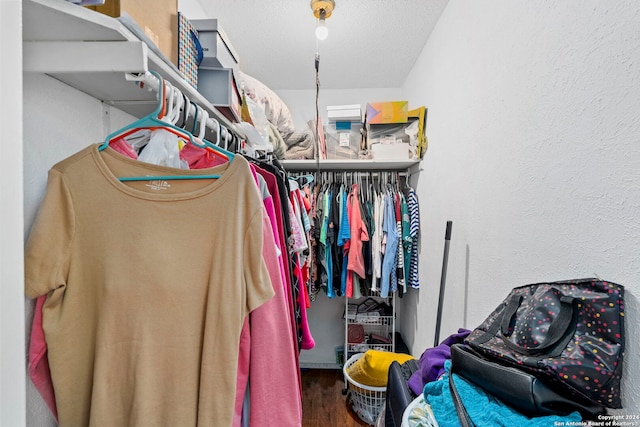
pixel 149 283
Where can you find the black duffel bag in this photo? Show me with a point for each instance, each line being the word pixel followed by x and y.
pixel 570 334
pixel 520 390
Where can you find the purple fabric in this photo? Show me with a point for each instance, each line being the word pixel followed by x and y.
pixel 432 361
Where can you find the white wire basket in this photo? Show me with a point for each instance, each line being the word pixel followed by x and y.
pixel 366 401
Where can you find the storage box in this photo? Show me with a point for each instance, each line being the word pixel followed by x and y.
pixel 218 52
pixel 155 19
pixel 344 112
pixel 389 141
pixel 219 87
pixel 387 112
pixel 343 139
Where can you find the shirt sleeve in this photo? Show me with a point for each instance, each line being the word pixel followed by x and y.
pixel 258 286
pixel 49 243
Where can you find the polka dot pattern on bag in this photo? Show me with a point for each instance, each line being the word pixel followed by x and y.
pixel 586 361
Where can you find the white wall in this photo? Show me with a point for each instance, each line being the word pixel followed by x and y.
pixel 533 128
pixel 192 9
pixel 12 383
pixel 58 122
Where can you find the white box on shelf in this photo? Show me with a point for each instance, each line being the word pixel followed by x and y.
pixel 217 49
pixel 344 112
pixel 391 151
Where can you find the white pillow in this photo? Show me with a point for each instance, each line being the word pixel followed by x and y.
pixel 274 108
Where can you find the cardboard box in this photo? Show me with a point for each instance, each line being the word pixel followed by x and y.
pixel 156 19
pixel 217 49
pixel 220 88
pixel 343 139
pixel 387 112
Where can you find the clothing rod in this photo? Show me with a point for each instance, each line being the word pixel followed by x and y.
pixel 375 174
pixel 212 123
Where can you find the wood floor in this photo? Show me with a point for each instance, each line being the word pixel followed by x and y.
pixel 323 404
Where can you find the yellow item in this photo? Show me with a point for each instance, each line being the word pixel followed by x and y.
pixel 423 142
pixel 372 368
pixel 244 110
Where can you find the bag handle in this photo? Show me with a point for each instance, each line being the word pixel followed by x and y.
pixel 463 415
pixel 557 330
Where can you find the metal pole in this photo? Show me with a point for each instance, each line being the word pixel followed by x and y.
pixel 443 279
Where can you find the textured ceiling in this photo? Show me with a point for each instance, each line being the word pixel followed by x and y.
pixel 371 43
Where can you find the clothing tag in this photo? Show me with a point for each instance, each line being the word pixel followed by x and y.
pixel 344 139
pixel 158 184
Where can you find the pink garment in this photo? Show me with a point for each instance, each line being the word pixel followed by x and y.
pixel 124 148
pixel 359 233
pixel 305 209
pixel 268 204
pixel 272 186
pixel 244 357
pixel 275 394
pixel 299 240
pixel 270 208
pixel 303 297
pixel 200 158
pixel 38 362
pixel 268 336
pixel 307 339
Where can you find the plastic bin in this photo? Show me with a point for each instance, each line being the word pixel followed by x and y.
pixel 343 139
pixel 366 401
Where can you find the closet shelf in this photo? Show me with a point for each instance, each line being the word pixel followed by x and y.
pixel 349 165
pixel 91 52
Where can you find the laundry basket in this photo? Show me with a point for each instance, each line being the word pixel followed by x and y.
pixel 366 401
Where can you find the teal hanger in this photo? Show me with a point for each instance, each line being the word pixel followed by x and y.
pixel 166 177
pixel 307 179
pixel 154 121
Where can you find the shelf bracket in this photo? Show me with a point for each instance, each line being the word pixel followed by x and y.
pixel 61 57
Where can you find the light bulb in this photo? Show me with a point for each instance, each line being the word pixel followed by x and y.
pixel 321 30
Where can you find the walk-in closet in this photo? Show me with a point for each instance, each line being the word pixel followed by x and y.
pixel 319 213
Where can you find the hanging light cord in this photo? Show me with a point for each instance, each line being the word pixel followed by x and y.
pixel 317 67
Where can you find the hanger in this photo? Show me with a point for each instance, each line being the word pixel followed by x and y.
pixel 200 121
pixel 216 146
pixel 183 112
pixel 195 117
pixel 306 179
pixel 155 121
pixel 176 106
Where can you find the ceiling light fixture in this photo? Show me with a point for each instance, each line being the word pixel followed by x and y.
pixel 322 10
